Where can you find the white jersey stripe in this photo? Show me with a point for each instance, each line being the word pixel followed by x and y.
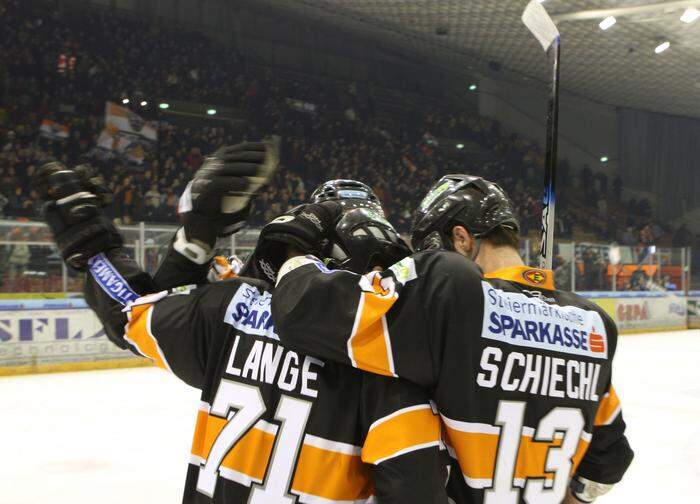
pixel 327 444
pixel 396 413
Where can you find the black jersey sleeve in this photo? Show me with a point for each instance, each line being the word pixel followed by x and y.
pixel 175 328
pixel 175 269
pixel 403 442
pixel 609 453
pixel 392 323
pixel 112 281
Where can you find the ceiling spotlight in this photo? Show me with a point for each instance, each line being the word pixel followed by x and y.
pixel 164 105
pixel 144 103
pixel 460 146
pixel 541 1
pixel 125 101
pixel 604 159
pixel 472 87
pixel 690 15
pixel 607 22
pixel 211 111
pixel 662 47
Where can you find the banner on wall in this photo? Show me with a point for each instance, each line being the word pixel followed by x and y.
pixel 54 336
pixel 646 313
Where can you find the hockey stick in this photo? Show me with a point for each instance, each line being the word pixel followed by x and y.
pixel 545 31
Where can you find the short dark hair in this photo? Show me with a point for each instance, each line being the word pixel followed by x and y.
pixel 503 236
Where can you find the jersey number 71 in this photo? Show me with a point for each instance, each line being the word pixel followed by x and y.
pixel 291 412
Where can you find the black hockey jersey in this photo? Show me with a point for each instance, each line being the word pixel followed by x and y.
pixel 520 372
pixel 274 425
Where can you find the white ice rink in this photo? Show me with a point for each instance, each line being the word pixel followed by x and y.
pixel 123 436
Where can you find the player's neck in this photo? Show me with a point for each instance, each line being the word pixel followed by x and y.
pixel 494 258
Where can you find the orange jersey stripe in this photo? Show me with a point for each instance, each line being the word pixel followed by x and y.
pixel 369 347
pixel 331 475
pixel 249 456
pixel 477 452
pixel 138 332
pixel 345 477
pixel 608 408
pixel 412 428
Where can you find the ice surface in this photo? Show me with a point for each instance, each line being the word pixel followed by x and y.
pixel 124 436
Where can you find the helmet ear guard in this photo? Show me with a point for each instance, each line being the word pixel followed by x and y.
pixel 434 241
pixel 364 240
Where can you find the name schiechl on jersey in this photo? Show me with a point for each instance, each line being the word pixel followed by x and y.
pixel 516 319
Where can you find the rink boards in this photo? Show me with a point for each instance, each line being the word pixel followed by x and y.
pixel 48 335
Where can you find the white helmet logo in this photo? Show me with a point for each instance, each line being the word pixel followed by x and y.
pixel 282 219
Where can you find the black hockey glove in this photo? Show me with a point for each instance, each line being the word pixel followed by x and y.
pixel 217 200
pixel 93 182
pixel 307 229
pixel 74 214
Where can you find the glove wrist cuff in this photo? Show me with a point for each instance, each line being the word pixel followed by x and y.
pixel 587 491
pixel 195 250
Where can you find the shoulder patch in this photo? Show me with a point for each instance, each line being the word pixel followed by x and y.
pixel 250 312
pixel 405 270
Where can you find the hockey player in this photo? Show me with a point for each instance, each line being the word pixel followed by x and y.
pixel 274 426
pixel 520 371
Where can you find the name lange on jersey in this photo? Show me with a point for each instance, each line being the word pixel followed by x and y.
pixel 516 319
pixel 109 279
pixel 249 312
pixel 267 362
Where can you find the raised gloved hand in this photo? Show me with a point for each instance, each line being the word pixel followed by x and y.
pixel 92 181
pixel 74 215
pixel 217 200
pixel 307 229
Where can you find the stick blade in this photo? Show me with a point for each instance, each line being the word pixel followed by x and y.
pixel 540 24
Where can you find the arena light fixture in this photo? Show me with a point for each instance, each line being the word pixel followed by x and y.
pixel 690 15
pixel 604 159
pixel 662 47
pixel 472 87
pixel 125 101
pixel 211 111
pixel 607 22
pixel 460 146
pixel 144 103
pixel 164 105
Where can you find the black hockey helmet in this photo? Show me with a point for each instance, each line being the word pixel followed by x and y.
pixel 349 193
pixel 365 239
pixel 465 200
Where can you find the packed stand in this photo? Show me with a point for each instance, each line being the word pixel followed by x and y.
pixel 65 68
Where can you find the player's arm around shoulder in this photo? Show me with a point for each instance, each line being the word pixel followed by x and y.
pixel 315 308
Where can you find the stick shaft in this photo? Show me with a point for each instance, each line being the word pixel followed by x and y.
pixel 550 169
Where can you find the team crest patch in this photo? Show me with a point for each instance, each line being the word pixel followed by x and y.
pixel 535 277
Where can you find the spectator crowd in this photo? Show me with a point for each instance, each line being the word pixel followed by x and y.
pixel 64 68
